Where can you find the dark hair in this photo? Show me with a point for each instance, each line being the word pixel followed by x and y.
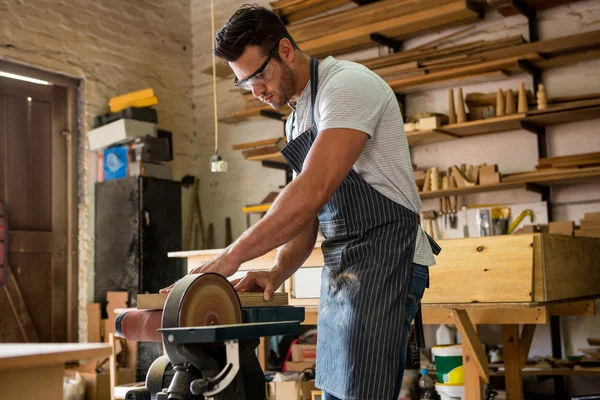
pixel 251 25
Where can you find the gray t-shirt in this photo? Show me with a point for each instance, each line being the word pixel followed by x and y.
pixel 352 96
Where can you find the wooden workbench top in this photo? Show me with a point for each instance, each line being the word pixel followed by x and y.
pixel 23 355
pixel 209 252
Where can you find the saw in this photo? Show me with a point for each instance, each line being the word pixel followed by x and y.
pixel 210 341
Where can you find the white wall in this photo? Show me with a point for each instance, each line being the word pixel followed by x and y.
pixel 247 182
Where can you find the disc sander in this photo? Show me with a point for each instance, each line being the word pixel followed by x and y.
pixel 210 300
pixel 200 300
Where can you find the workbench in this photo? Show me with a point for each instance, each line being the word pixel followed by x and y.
pixel 508 280
pixel 35 370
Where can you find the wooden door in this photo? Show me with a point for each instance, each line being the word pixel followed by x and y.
pixel 33 176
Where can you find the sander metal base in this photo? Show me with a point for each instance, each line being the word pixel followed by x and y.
pixel 210 342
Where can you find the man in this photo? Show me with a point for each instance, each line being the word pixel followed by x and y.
pixel 354 179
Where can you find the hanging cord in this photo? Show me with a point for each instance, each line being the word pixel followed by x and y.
pixel 214 68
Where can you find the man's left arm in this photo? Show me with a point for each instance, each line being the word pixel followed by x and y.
pixel 329 161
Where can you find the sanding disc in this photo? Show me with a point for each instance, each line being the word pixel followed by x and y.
pixel 210 300
pixel 199 300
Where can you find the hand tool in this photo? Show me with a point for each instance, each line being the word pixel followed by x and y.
pixel 448 211
pixel 454 219
pixel 209 339
pixel 442 207
pixel 430 216
pixel 516 222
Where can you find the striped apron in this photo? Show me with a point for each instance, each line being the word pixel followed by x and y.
pixel 368 251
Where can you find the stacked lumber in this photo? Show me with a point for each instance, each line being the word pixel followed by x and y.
pixel 291 11
pixel 350 30
pixel 260 149
pixel 590 225
pixel 506 7
pixel 481 59
pixel 573 161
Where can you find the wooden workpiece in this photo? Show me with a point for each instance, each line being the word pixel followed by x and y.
pixel 28 370
pixel 156 301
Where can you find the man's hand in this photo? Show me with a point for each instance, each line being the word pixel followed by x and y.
pixel 221 264
pixel 269 281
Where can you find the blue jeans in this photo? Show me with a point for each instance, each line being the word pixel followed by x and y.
pixel 416 288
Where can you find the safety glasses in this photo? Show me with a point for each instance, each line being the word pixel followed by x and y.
pixel 262 75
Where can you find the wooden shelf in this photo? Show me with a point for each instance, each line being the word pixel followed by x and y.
pixel 552 372
pixel 530 180
pixel 275 157
pixel 485 126
pixel 425 137
pixel 472 190
pixel 578 111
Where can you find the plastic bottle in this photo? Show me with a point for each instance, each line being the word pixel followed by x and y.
pixel 426 385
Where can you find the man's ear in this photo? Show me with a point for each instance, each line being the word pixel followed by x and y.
pixel 287 50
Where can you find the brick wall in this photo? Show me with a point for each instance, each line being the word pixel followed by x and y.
pixel 115 47
pixel 247 182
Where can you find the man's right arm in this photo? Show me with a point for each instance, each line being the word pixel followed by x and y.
pixel 292 255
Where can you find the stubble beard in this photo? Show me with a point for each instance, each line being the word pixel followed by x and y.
pixel 286 87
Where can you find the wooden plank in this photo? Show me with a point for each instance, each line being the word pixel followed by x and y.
pixel 261 151
pixel 485 126
pixel 404 25
pixel 443 39
pixel 538 269
pixel 112 365
pixel 16 356
pixel 483 316
pixel 426 137
pixel 512 362
pixel 525 342
pixel 505 64
pixel 259 143
pixel 574 160
pixel 115 300
pixel 548 47
pixel 277 5
pixel 197 257
pixel 566 106
pixel 308 9
pixel 584 308
pixel 561 228
pixel 19 309
pixel 471 343
pixel 323 6
pixel 498 269
pixel 473 383
pixel 484 77
pixel 570 267
pixel 356 17
pixel 156 301
pixel 275 157
pixel 472 190
pixel 94 315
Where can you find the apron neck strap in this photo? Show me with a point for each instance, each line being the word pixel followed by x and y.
pixel 314 84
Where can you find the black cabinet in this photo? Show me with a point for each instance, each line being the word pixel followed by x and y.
pixel 138 221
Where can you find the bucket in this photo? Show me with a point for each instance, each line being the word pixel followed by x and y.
pixel 450 392
pixel 448 364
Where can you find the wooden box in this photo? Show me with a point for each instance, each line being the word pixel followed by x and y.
pixel 290 390
pixel 536 267
pixel 304 352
